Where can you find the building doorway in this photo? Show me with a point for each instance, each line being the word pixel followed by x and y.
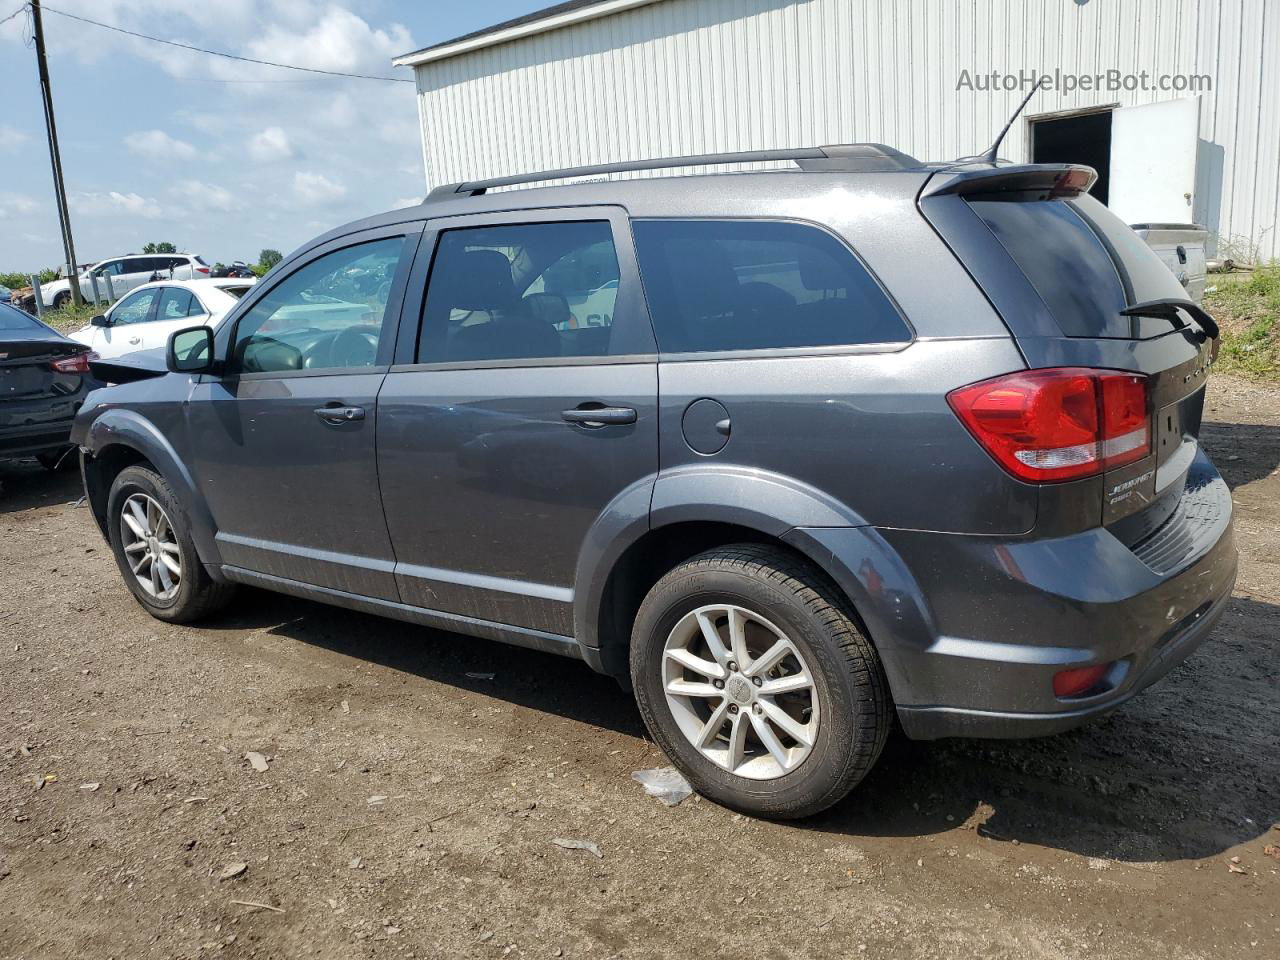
pixel 1077 138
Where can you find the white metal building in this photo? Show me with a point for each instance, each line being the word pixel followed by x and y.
pixel 592 81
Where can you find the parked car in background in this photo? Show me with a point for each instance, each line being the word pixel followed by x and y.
pixel 125 273
pixel 1181 248
pixel 237 268
pixel 6 295
pixel 143 319
pixel 777 483
pixel 44 378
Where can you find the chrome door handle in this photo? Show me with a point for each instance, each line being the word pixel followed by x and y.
pixel 598 416
pixel 339 414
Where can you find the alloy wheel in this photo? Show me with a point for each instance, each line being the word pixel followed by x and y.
pixel 740 691
pixel 151 546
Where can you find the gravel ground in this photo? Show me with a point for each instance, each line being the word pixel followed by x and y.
pixel 133 825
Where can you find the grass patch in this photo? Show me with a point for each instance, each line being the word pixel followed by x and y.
pixel 1247 307
pixel 72 318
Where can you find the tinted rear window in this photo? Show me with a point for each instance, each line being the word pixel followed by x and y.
pixel 750 284
pixel 1085 263
pixel 13 319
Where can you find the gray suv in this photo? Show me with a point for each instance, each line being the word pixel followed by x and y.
pixel 789 453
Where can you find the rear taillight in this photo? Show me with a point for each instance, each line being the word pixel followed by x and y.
pixel 1058 424
pixel 77 363
pixel 201 269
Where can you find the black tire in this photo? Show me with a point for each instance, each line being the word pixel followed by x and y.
pixel 198 595
pixel 854 705
pixel 60 300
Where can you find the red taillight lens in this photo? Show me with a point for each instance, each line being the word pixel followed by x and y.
pixel 78 363
pixel 1058 424
pixel 202 269
pixel 1072 683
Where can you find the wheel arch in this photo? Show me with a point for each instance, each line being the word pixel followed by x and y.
pixel 121 438
pixel 696 509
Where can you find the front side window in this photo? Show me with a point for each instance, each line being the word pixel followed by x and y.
pixel 176 303
pixel 327 314
pixel 752 285
pixel 521 291
pixel 112 269
pixel 134 308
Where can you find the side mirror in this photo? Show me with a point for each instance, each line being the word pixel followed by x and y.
pixel 99 321
pixel 190 351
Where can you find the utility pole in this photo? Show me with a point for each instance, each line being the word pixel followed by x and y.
pixel 59 188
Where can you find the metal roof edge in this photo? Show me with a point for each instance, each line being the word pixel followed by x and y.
pixel 516 31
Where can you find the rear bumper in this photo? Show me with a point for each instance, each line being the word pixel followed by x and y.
pixel 27 439
pixel 972 629
pixel 932 723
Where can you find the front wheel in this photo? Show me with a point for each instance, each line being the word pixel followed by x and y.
pixel 757 683
pixel 61 300
pixel 154 550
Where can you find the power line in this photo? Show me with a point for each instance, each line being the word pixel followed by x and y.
pixel 219 53
pixel 12 15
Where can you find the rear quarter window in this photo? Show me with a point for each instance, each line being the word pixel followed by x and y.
pixel 715 285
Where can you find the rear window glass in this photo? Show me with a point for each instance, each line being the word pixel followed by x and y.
pixel 1084 262
pixel 749 285
pixel 11 319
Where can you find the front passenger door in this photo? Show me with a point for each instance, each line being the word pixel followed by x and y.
pixel 283 442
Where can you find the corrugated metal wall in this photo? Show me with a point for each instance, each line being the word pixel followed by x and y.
pixel 696 76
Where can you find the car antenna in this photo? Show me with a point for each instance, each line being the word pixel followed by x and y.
pixel 989 155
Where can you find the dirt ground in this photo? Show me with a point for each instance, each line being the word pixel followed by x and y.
pixel 125 793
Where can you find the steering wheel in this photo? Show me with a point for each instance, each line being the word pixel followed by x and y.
pixel 353 347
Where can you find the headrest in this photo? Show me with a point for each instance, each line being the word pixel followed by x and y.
pixel 703 278
pixel 819 271
pixel 478 280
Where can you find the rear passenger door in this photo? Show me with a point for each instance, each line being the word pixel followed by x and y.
pixel 521 405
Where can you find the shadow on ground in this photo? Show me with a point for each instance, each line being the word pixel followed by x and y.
pixel 25 484
pixel 1242 452
pixel 1162 779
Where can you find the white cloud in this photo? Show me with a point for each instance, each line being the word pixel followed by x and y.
pixel 206 196
pixel 337 40
pixel 11 138
pixel 316 188
pixel 270 144
pixel 17 204
pixel 114 203
pixel 158 145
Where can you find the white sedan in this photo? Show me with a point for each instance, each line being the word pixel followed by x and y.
pixel 144 319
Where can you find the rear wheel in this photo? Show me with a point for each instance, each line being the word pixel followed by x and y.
pixel 757 683
pixel 154 551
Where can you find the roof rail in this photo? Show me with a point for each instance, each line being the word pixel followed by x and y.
pixel 845 156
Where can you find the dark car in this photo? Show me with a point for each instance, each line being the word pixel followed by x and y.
pixel 44 378
pixel 789 453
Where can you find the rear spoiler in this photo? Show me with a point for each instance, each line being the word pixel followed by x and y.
pixel 1031 181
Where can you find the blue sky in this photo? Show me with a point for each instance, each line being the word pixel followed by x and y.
pixel 220 157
